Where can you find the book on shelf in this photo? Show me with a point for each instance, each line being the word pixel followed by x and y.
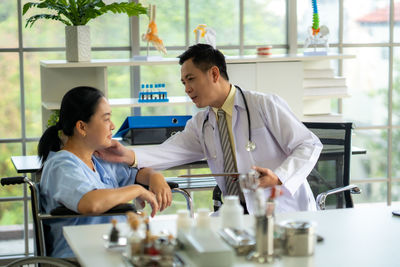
pixel 318 73
pixel 324 82
pixel 334 91
pixel 316 106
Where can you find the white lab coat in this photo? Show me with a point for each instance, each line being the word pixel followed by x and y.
pixel 283 144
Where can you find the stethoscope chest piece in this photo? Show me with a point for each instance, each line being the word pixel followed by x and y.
pixel 250 146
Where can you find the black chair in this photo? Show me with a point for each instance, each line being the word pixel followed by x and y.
pixel 331 174
pixel 62 212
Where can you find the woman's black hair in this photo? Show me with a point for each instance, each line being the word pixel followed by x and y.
pixel 79 103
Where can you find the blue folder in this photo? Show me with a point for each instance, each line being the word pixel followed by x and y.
pixel 150 129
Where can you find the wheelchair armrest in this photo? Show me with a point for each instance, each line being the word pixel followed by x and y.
pixel 354 189
pixel 119 209
pixel 62 210
pixel 172 185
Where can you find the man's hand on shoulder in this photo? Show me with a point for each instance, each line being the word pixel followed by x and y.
pixel 116 153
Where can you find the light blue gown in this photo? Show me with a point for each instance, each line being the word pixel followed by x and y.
pixel 65 179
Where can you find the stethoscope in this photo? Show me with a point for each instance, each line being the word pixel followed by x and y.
pixel 250 145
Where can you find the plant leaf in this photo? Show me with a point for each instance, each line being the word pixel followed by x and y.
pixel 131 9
pixel 27 6
pixel 34 18
pixel 80 12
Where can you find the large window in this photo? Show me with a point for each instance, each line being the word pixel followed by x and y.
pixel 365 28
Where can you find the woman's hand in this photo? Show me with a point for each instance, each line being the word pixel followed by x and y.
pixel 161 189
pixel 267 177
pixel 116 153
pixel 149 197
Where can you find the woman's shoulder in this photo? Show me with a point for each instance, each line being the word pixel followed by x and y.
pixel 62 154
pixel 57 165
pixel 61 158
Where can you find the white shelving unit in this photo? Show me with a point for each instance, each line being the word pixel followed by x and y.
pixel 281 74
pixel 132 102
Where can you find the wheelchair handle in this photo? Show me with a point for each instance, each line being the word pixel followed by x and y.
pixel 12 180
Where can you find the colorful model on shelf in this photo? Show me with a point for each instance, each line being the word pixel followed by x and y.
pixel 153 93
pixel 317 35
pixel 209 35
pixel 315 25
pixel 151 36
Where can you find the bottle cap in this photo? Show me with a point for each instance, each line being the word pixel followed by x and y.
pixel 183 213
pixel 231 200
pixel 203 218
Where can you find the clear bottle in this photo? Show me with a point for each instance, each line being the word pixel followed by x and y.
pixel 183 224
pixel 231 213
pixel 134 246
pixel 203 231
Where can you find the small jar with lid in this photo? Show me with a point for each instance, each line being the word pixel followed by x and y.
pixel 300 238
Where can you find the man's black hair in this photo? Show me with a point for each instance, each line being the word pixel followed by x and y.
pixel 204 57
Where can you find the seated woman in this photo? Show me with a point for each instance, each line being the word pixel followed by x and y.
pixel 74 177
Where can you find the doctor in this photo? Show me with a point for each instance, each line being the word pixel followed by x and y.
pixel 262 131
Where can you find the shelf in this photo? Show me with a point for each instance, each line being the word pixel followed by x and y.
pixel 105 63
pixel 172 61
pixel 283 58
pixel 311 97
pixel 132 102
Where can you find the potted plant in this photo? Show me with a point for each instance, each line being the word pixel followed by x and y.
pixel 75 14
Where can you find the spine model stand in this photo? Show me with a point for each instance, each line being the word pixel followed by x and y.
pixel 317 35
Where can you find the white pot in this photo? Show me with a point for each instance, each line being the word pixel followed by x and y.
pixel 77 43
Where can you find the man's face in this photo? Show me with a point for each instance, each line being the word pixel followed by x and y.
pixel 199 85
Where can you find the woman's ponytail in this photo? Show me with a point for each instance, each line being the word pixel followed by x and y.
pixel 50 141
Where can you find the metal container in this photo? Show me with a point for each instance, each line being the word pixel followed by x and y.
pixel 300 238
pixel 264 252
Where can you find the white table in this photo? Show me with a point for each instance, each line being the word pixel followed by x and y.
pixel 365 236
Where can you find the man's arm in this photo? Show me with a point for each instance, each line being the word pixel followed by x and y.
pixel 300 144
pixel 182 148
